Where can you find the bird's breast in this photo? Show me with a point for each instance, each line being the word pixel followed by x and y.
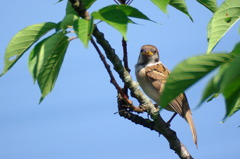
pixel 145 84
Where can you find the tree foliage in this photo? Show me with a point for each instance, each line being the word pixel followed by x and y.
pixel 47 54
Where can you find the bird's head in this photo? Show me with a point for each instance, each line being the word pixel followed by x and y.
pixel 148 55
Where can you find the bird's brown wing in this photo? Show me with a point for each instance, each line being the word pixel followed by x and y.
pixel 157 75
pixel 180 104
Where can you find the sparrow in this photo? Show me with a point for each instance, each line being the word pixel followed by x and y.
pixel 151 75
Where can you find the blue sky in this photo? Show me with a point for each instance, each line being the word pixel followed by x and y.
pixel 77 120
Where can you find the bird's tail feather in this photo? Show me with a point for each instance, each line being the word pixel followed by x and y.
pixel 188 118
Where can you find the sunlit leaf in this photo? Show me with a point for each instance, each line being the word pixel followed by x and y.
pixel 117 16
pixel 68 21
pixel 84 29
pixel 54 50
pixel 210 4
pixel 35 59
pixel 224 18
pixel 181 6
pixel 22 41
pixel 161 4
pixel 128 10
pixel 189 72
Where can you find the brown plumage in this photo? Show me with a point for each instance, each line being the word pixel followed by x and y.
pixel 151 75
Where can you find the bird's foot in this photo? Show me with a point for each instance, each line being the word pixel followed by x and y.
pixel 168 123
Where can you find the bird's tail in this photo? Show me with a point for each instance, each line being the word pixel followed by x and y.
pixel 188 118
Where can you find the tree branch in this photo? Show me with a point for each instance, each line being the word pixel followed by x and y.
pixel 114 82
pixel 159 124
pixel 125 61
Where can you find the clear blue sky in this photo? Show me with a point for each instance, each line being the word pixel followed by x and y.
pixel 77 119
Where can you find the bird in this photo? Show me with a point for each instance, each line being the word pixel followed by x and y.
pixel 151 75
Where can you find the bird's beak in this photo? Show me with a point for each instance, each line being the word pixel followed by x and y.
pixel 147 53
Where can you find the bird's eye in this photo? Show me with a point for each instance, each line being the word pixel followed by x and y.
pixel 154 51
pixel 141 50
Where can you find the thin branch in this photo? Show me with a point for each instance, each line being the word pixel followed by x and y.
pixel 125 61
pixel 124 112
pixel 79 7
pixel 114 82
pixel 72 38
pixel 116 1
pixel 125 55
pixel 129 2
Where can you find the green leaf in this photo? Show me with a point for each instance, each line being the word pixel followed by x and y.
pixel 54 50
pixel 232 104
pixel 230 81
pixel 69 9
pixel 128 10
pixel 181 6
pixel 189 72
pixel 225 79
pixel 70 16
pixel 236 50
pixel 84 29
pixel 224 18
pixel 117 16
pixel 161 4
pixel 210 4
pixel 88 3
pixel 209 92
pixel 22 41
pixel 68 21
pixel 36 58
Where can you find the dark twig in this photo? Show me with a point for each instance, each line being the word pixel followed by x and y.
pixel 114 82
pixel 170 120
pixel 159 126
pixel 125 62
pixel 80 9
pixel 129 2
pixel 112 78
pixel 124 112
pixel 125 55
pixel 116 1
